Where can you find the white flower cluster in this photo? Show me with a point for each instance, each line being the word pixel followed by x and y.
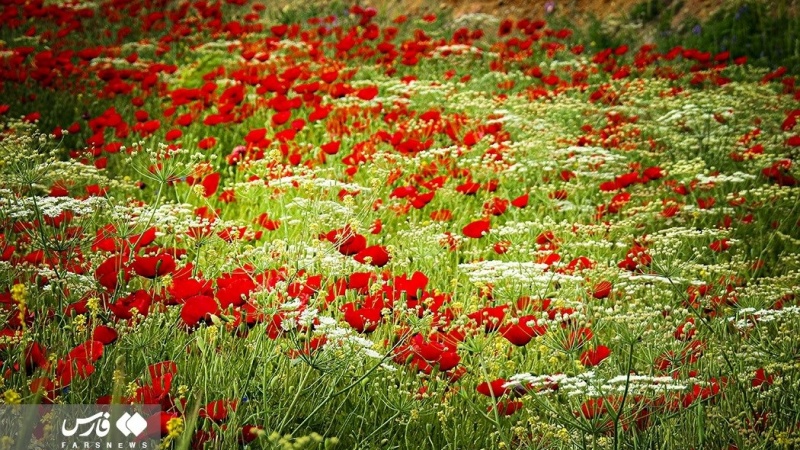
pixel 523 272
pixel 589 385
pixel 344 338
pixel 476 19
pixel 736 177
pixel 168 217
pixel 323 260
pixel 25 208
pixel 337 337
pixel 218 45
pixel 77 284
pixel 748 317
pixel 646 278
pixel 116 62
pixel 587 155
pixel 324 183
pixel 431 154
pixel 290 44
pixel 694 112
pixel 321 208
pixel 682 233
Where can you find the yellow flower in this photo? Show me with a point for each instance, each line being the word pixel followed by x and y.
pixel 6 442
pixel 93 305
pixel 79 322
pixel 11 397
pixel 19 293
pixel 174 427
pixel 199 190
pixel 166 280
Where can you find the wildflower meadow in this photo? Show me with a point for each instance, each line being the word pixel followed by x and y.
pixel 339 226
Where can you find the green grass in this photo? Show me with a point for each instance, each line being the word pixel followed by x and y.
pixel 661 389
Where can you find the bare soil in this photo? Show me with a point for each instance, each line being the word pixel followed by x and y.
pixel 576 10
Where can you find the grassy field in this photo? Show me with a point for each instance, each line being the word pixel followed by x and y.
pixel 341 227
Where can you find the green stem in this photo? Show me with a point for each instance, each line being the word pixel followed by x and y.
pixel 618 415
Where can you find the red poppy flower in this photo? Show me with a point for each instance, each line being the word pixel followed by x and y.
pixel 411 287
pixel 719 245
pixel 104 334
pixel 419 201
pixel 618 202
pixel 363 320
pixel 625 180
pixel 139 241
pixel 507 407
pixel 210 184
pixel 523 331
pixel 376 227
pixel 490 317
pixel 567 175
pixel 264 220
pixel 184 288
pixel 476 229
pixel 331 148
pixel 686 330
pixel 319 113
pixel 595 356
pixel 706 203
pixel 577 338
pixel 255 136
pixel 329 76
pixel 521 201
pixel 161 369
pixel 442 215
pixel 250 433
pixel 107 273
pixel 139 301
pixel 367 93
pixel 496 207
pixel 502 247
pixel 35 356
pixel 281 117
pixel 207 143
pixel 154 266
pixel 198 309
pixel 89 350
pixel 602 289
pixel 173 134
pixel 761 379
pixel 375 255
pixel 468 188
pixel 46 387
pixel 448 360
pixel 546 237
pixel 653 173
pixel 218 410
pixel 346 241
pixel 608 186
pixel 493 389
pixel 592 408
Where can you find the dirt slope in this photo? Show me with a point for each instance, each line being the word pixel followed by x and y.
pixel 576 10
